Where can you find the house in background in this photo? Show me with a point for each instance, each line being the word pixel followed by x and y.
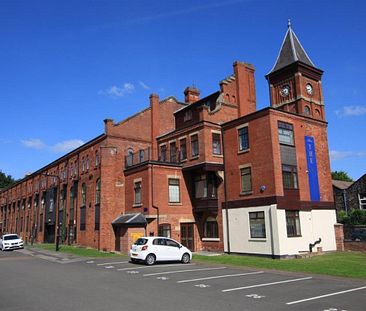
pixel 211 172
pixel 350 195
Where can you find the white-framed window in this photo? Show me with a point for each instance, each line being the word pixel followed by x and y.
pixel 243 138
pixel 286 133
pixel 362 200
pixel 174 190
pixel 257 225
pixel 216 143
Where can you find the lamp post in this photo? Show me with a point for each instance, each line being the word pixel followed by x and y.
pixel 56 216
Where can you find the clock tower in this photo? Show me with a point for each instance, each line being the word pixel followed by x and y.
pixel 294 82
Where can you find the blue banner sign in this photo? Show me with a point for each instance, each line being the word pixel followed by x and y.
pixel 312 168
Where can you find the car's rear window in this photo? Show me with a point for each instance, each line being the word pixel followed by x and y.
pixel 11 237
pixel 141 241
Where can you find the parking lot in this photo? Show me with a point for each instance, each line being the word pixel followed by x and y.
pixel 75 283
pixel 242 288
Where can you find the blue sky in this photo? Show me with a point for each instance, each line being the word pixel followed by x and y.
pixel 68 65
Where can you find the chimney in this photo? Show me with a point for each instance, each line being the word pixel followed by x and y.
pixel 191 94
pixel 108 125
pixel 245 86
pixel 155 128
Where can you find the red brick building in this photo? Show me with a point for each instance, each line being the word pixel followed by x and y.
pixel 213 173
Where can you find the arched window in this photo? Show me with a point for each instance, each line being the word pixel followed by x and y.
pixel 97 192
pixel 307 110
pixel 211 228
pixel 97 158
pixel 129 158
pixel 83 194
pixel 317 112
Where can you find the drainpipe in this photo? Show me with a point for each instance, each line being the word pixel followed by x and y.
pixel 225 195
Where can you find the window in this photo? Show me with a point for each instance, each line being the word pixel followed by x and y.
pixel 257 225
pixel 216 143
pixel 129 158
pixel 293 223
pixel 164 230
pixel 97 217
pixel 211 228
pixel 289 176
pixel 246 179
pixel 183 149
pixel 174 191
pixel 362 200
pixel 82 218
pixel 97 192
pixel 40 223
pixel 62 198
pixel 163 153
pixel 171 243
pixel 307 110
pixel 87 163
pixel 285 133
pixel 97 159
pixel 141 156
pixel 137 189
pixel 194 145
pixel 187 115
pixel 200 186
pixel 173 152
pixel 83 194
pixel 243 138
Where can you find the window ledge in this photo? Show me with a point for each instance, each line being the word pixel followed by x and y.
pixel 210 239
pixel 195 157
pixel 217 155
pixel 246 193
pixel 257 240
pixel 294 236
pixel 175 204
pixel 137 205
pixel 183 160
pixel 243 151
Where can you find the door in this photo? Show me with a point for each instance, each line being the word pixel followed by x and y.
pixel 187 236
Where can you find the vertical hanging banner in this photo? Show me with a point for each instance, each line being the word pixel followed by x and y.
pixel 312 168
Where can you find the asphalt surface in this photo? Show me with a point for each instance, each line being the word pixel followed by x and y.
pixel 39 280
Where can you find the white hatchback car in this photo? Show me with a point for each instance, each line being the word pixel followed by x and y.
pixel 153 249
pixel 10 242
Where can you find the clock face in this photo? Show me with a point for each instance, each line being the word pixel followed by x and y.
pixel 309 89
pixel 285 91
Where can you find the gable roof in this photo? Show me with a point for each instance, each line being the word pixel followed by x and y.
pixel 291 51
pixel 342 185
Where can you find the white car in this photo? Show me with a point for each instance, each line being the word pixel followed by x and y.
pixel 10 242
pixel 153 249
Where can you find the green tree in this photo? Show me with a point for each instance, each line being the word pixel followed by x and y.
pixel 5 180
pixel 341 175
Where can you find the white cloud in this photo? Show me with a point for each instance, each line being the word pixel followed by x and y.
pixel 351 111
pixel 339 155
pixel 144 86
pixel 67 145
pixel 33 143
pixel 115 91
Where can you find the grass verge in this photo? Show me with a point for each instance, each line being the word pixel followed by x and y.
pixel 344 264
pixel 78 251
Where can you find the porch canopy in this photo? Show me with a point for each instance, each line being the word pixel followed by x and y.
pixel 130 220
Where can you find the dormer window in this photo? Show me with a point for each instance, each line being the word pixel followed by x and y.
pixel 187 115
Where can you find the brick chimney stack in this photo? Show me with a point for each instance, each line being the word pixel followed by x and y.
pixel 245 86
pixel 154 104
pixel 191 94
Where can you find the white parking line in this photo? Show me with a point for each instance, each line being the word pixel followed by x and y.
pixel 327 295
pixel 182 271
pixel 219 277
pixel 157 266
pixel 266 284
pixel 111 263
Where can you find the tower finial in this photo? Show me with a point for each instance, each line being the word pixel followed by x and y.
pixel 289 23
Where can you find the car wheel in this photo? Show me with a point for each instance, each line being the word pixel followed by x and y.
pixel 186 258
pixel 150 259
